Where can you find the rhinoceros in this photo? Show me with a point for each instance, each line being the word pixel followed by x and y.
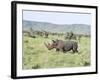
pixel 63 46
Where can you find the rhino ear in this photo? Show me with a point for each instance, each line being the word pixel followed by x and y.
pixel 53 41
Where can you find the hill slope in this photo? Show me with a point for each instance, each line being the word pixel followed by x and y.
pixel 39 26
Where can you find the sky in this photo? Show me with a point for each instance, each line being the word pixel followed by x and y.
pixel 57 17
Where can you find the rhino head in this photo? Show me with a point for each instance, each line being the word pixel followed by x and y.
pixel 51 45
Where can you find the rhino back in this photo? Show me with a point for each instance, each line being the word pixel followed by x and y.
pixel 61 44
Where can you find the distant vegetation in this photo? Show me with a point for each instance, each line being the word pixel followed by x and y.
pixel 55 28
pixel 36 55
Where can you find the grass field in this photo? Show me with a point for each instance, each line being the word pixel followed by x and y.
pixel 36 55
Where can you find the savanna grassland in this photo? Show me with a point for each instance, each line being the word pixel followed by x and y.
pixel 36 55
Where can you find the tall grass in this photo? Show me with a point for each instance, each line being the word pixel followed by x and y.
pixel 36 55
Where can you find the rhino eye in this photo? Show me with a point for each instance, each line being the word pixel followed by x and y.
pixel 55 44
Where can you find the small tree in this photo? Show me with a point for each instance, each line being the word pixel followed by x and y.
pixel 32 33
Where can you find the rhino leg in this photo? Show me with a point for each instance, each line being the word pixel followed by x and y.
pixel 60 50
pixel 64 51
pixel 57 49
pixel 75 48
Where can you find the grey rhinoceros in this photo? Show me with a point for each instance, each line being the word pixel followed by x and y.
pixel 63 46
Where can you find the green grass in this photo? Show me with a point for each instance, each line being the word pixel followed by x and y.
pixel 36 55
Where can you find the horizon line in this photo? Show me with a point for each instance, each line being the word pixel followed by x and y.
pixel 56 23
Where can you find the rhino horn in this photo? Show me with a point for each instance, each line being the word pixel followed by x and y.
pixel 47 45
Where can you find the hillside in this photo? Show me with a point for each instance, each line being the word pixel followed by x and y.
pixel 39 26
